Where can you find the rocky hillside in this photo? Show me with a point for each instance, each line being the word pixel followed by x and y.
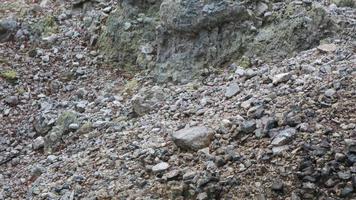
pixel 177 99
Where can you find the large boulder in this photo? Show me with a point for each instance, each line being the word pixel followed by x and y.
pixel 193 138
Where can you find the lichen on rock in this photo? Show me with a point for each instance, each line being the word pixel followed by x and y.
pixel 129 27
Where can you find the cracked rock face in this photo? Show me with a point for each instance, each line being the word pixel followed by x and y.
pixel 192 36
pixel 197 35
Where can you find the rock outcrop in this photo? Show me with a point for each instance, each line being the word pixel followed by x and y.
pixel 192 37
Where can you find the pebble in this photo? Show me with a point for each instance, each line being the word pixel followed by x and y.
pixel 160 167
pixel 74 126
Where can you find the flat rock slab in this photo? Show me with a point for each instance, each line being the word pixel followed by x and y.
pixel 160 167
pixel 326 48
pixel 232 90
pixel 281 78
pixel 193 138
pixel 284 136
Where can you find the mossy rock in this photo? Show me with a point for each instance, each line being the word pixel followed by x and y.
pixel 86 128
pixel 65 119
pixel 345 3
pixel 20 9
pixel 131 86
pixel 125 32
pixel 244 62
pixel 9 75
pixel 45 26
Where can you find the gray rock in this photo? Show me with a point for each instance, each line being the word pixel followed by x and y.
pixel 346 191
pixel 280 78
pixel 280 149
pixel 74 126
pixel 277 185
pixel 45 58
pixel 53 138
pixel 7 28
pixel 194 138
pixel 81 106
pixel 261 8
pixel 247 126
pixel 202 196
pixel 232 90
pixel 330 93
pixel 147 99
pixel 240 71
pixel 12 100
pixel 37 170
pixel 43 123
pixel 284 136
pixel 160 167
pixel 52 158
pixel 38 143
pixel 346 175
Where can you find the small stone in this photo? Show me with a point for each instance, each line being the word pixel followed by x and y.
pixel 330 92
pixel 107 9
pixel 12 100
pixel 283 137
pixel 326 48
pixel 45 58
pixel 38 143
pixel 348 190
pixel 220 161
pixel 232 90
pixel 74 126
pixel 280 78
pixel 309 185
pixel 277 186
pixel 346 175
pixel 37 170
pixel 79 56
pixel 248 126
pixel 127 26
pixel 172 175
pixel 295 196
pixel 280 149
pixel 193 138
pixel 51 158
pixel 160 167
pixel 261 8
pixel 202 196
pixel 339 157
pixel 330 182
pixel 240 71
pixel 81 106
